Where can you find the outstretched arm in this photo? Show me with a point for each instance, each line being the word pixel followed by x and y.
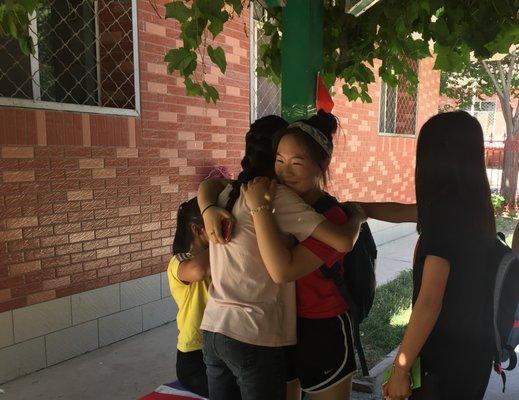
pixel 390 211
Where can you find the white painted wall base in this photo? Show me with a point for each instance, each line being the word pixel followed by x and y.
pixel 38 336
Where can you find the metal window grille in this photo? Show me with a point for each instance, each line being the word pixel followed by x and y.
pixel 265 94
pixel 85 54
pixel 485 112
pixel 398 109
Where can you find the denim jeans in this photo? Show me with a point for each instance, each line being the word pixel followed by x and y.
pixel 241 371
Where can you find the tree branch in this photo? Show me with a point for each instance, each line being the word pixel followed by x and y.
pixel 511 67
pixel 506 92
pixel 493 78
pixel 515 120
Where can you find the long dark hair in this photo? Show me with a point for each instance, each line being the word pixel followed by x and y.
pixel 259 157
pixel 188 213
pixel 324 122
pixel 451 175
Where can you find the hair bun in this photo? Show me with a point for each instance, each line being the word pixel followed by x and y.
pixel 325 122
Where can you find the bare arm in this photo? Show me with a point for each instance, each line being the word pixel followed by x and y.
pixel 341 237
pixel 207 198
pixel 195 269
pixel 390 212
pixel 209 190
pixel 423 318
pixel 285 265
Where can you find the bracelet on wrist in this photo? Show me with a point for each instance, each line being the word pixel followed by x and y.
pixel 264 207
pixel 206 208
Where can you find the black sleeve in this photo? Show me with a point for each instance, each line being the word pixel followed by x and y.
pixel 441 238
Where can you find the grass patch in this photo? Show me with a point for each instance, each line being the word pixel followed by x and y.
pixel 383 330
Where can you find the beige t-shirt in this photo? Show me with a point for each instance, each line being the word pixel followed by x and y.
pixel 244 302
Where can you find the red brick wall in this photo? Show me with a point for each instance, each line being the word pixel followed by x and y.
pixel 370 167
pixel 90 200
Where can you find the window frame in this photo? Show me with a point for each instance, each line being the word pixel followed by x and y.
pixel 401 135
pixel 83 108
pixel 254 28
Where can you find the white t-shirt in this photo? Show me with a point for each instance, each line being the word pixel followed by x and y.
pixel 244 302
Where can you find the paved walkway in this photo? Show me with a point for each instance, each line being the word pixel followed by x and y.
pixel 134 367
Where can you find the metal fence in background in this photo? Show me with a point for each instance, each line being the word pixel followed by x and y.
pixel 495 163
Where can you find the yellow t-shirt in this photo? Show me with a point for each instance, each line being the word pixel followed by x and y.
pixel 191 299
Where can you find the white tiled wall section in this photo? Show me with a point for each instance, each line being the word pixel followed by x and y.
pixel 34 337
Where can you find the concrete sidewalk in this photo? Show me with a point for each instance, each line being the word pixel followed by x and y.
pixel 134 367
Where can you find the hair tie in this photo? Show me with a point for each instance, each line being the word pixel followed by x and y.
pixel 316 134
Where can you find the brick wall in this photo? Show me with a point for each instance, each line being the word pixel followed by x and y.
pixel 90 200
pixel 370 167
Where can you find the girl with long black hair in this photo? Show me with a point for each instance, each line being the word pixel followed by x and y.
pixel 448 329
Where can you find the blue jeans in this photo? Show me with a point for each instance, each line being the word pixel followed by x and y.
pixel 242 371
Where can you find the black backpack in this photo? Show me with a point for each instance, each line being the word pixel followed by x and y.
pixel 358 283
pixel 504 305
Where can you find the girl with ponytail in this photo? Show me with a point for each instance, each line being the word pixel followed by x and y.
pixel 251 315
pixel 188 276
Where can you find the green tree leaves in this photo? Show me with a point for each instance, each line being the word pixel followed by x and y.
pixel 393 31
pixel 197 19
pixel 218 57
pixel 14 21
pixel 178 10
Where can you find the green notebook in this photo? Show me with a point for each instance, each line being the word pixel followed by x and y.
pixel 416 374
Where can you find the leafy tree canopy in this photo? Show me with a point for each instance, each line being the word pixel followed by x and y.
pixel 393 31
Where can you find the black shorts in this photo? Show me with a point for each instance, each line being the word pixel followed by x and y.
pixel 324 354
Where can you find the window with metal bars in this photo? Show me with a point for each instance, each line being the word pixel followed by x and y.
pixel 485 112
pixel 265 94
pixel 398 109
pixel 84 55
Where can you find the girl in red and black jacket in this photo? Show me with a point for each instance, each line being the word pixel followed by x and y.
pixel 323 361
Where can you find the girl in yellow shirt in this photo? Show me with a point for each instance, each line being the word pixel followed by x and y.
pixel 189 278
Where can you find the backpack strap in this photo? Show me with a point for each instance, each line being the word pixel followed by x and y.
pixel 512 358
pixel 502 271
pixel 334 273
pixel 324 203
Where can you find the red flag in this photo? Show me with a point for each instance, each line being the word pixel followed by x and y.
pixel 323 99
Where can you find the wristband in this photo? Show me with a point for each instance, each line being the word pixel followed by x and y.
pixel 205 209
pixel 260 208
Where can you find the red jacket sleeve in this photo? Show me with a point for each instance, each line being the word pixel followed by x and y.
pixel 326 253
